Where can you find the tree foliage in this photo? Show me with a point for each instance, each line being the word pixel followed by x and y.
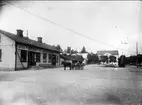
pixel 68 49
pixel 92 58
pixel 83 50
pixel 59 48
pixel 134 59
pixel 74 51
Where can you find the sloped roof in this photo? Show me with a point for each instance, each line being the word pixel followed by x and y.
pixel 72 57
pixel 77 57
pixel 28 41
pixel 112 52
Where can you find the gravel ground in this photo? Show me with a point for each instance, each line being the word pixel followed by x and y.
pixel 95 85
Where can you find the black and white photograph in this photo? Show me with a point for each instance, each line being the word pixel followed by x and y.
pixel 70 52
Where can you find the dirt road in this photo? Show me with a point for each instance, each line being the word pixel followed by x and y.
pixel 94 85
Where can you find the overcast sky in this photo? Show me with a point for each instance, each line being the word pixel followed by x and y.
pixel 107 22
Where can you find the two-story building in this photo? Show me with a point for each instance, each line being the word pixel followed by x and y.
pixel 19 52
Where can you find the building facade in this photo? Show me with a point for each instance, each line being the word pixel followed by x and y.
pixel 19 52
pixel 108 53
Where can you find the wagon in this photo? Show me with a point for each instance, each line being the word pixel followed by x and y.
pixel 75 64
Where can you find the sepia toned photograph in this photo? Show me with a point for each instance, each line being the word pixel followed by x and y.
pixel 74 52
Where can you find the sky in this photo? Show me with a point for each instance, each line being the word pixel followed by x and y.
pixel 108 24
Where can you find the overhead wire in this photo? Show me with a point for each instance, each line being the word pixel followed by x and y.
pixel 75 32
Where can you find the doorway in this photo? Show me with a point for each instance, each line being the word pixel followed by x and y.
pixel 54 60
pixel 31 58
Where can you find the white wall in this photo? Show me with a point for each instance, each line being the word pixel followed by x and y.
pixel 8 53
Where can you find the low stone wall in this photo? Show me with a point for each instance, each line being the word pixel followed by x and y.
pixel 45 65
pixel 7 69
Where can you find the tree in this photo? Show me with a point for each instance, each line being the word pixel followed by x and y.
pixel 65 51
pixel 132 59
pixel 59 48
pixel 92 58
pixel 95 58
pixel 89 57
pixel 74 51
pixel 68 49
pixel 83 50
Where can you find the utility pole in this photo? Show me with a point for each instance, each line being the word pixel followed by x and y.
pixel 137 54
pixel 136 48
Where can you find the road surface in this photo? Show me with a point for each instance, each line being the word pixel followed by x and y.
pixel 95 85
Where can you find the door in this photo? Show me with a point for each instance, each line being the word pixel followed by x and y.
pixel 54 60
pixel 31 58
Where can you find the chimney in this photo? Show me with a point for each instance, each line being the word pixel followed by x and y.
pixel 39 39
pixel 20 33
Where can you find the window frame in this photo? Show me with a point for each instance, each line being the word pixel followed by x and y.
pixel 24 55
pixel 38 57
pixel 49 58
pixel 44 59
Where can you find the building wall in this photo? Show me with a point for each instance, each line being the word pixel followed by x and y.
pixel 8 53
pixel 47 61
pixel 41 58
pixel 20 65
pixel 117 56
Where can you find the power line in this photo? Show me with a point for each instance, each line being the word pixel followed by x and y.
pixel 77 33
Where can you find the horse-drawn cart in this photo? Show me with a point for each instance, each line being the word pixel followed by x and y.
pixel 73 62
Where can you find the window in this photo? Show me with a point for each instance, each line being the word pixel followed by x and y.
pixel 0 55
pixel 50 58
pixel 37 57
pixel 44 57
pixel 23 55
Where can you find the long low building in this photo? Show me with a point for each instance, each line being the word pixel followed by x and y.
pixel 19 52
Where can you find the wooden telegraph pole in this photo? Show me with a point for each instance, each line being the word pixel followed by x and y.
pixel 137 54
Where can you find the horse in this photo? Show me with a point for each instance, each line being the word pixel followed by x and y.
pixel 78 65
pixel 67 64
